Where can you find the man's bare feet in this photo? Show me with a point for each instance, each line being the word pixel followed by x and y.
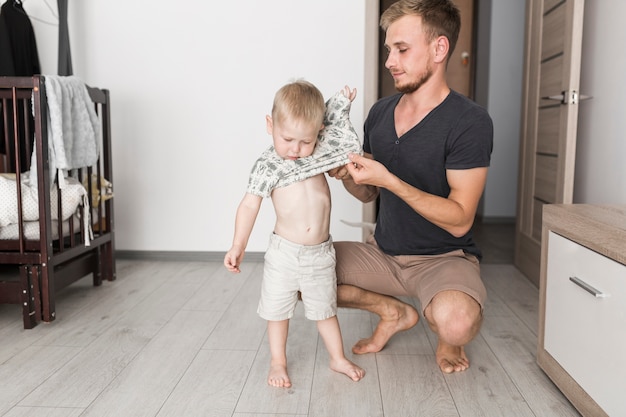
pixel 451 358
pixel 400 317
pixel 278 376
pixel 348 368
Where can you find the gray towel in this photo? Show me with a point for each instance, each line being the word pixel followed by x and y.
pixel 73 127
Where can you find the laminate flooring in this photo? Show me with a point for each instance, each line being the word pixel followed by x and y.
pixel 183 339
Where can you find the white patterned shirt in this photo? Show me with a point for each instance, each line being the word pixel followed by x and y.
pixel 334 142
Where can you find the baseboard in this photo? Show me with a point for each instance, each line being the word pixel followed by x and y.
pixel 182 256
pixel 496 220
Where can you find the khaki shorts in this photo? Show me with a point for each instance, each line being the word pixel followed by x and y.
pixel 290 268
pixel 365 266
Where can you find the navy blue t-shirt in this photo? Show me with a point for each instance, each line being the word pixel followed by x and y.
pixel 457 134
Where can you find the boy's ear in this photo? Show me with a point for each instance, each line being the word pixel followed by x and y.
pixel 269 124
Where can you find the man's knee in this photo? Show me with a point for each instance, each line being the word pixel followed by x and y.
pixel 455 315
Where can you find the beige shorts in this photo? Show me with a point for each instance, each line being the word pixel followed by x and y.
pixel 365 266
pixel 290 268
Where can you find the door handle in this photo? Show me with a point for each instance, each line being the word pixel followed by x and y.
pixel 568 97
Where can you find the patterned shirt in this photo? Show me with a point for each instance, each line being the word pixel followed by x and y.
pixel 334 142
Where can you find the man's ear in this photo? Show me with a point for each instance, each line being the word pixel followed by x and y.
pixel 269 124
pixel 442 46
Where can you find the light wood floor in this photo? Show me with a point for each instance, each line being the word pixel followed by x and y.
pixel 183 339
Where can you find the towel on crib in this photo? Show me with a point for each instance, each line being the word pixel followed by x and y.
pixel 73 127
pixel 334 142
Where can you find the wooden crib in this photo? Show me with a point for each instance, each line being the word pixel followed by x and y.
pixel 50 253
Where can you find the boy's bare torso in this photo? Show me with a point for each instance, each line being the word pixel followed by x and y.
pixel 303 211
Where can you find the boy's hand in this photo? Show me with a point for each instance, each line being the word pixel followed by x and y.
pixel 232 260
pixel 350 94
pixel 340 173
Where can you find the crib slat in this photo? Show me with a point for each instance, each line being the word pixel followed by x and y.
pixel 18 170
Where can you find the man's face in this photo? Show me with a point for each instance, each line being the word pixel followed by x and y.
pixel 410 59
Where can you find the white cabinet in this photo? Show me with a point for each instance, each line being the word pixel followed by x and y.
pixel 582 340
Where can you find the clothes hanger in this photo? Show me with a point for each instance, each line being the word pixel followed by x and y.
pixel 18 5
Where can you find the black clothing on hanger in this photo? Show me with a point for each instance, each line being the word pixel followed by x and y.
pixel 18 58
pixel 18 48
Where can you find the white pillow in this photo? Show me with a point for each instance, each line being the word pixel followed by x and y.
pixel 72 195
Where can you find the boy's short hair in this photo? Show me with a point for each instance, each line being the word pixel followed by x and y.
pixel 299 100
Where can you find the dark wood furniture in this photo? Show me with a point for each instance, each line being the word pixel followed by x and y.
pixel 56 258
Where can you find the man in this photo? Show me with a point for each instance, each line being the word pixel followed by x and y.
pixel 426 153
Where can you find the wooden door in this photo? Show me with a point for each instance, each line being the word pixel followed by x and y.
pixel 460 71
pixel 549 120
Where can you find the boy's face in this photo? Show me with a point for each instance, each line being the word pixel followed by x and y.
pixel 293 139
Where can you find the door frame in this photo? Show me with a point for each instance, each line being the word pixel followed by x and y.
pixel 548 129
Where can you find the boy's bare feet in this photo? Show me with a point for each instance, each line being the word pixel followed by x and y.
pixel 451 358
pixel 400 317
pixel 278 376
pixel 348 368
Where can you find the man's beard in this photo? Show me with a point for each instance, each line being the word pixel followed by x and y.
pixel 415 85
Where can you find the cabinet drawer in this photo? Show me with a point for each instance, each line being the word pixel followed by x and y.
pixel 586 334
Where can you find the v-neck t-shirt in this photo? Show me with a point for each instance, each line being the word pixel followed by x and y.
pixel 455 135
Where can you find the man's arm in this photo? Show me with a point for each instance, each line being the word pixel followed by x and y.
pixel 244 222
pixel 363 192
pixel 455 214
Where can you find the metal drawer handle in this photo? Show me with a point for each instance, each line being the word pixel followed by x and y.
pixel 591 290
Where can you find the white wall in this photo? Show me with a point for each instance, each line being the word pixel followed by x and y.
pixel 601 147
pixel 191 83
pixel 222 63
pixel 503 101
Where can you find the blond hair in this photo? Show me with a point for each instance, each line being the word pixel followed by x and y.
pixel 440 18
pixel 299 100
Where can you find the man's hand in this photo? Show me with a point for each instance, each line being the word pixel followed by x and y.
pixel 362 191
pixel 364 170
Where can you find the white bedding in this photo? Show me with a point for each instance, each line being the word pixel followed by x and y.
pixel 31 230
pixel 73 195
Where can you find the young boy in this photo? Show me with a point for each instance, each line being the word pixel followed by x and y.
pixel 301 256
